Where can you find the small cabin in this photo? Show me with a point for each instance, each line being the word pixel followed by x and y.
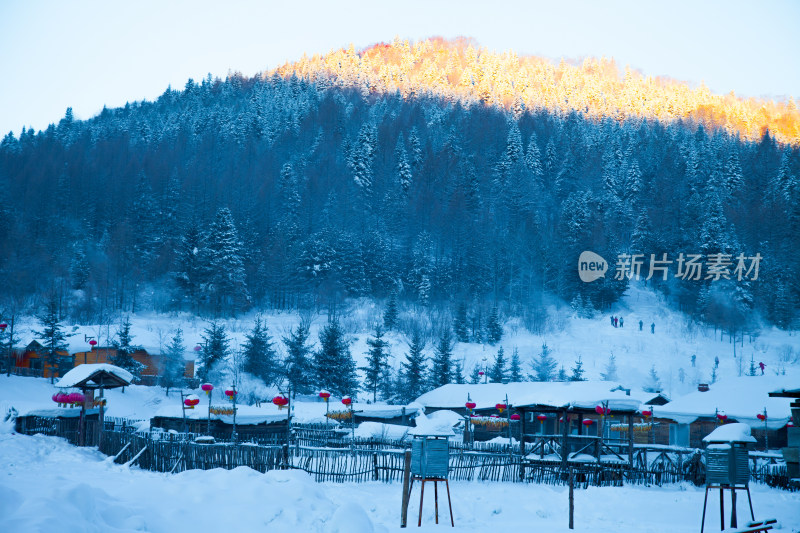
pixel 152 362
pixel 32 359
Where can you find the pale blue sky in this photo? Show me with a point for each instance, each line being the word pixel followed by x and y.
pixel 90 53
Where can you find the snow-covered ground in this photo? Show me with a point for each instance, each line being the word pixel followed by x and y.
pixel 669 349
pixel 47 485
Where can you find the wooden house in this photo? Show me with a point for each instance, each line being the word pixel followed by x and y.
pixel 32 359
pixel 686 420
pixel 152 362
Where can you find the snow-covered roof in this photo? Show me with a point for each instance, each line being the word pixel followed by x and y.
pixel 86 374
pixel 383 410
pixel 730 433
pixel 246 415
pixel 581 394
pixel 742 399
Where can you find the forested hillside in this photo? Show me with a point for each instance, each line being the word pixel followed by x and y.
pixel 285 193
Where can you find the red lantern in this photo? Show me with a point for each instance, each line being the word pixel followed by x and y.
pixel 230 393
pixel 600 410
pixel 588 422
pixel 198 348
pixel 188 403
pixel 470 405
pixel 281 401
pixel 761 416
pixel 501 407
pixel 92 343
pixel 347 400
pixel 207 388
pixel 541 418
pixel 324 395
pixel 515 416
pixel 722 417
pixel 647 414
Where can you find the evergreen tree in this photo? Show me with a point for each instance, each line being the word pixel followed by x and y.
pixel 215 350
pixel 299 371
pixel 377 358
pixel 460 323
pixel 653 383
pixel 562 374
pixel 260 359
pixel 577 371
pixel 55 349
pixel 390 315
pixel 334 368
pixel 494 329
pixel 475 376
pixel 226 284
pixel 752 371
pixel 515 370
pixel 362 157
pixel 412 370
pixel 610 373
pixel 458 372
pixel 544 366
pixel 189 274
pixel 124 348
pixel 403 169
pixel 498 371
pixel 442 365
pixel 173 365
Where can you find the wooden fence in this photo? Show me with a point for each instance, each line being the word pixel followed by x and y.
pixel 382 460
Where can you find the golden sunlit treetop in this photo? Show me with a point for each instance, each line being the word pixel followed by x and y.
pixel 460 70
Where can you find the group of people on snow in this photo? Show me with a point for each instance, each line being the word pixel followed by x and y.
pixel 618 322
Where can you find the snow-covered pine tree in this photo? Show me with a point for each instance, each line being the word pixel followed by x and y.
pixel 475 376
pixel 172 364
pixel 215 350
pixel 403 169
pixel 124 348
pixel 515 369
pixel 226 283
pixel 610 373
pixel 412 370
pixel 53 340
pixel 390 315
pixel 498 371
pixel 442 365
pixel 377 357
pixel 334 368
pixel 577 371
pixel 494 329
pixel 362 157
pixel 190 270
pixel 653 382
pixel 458 372
pixel 544 366
pixel 562 374
pixel 460 323
pixel 260 359
pixel 752 371
pixel 299 370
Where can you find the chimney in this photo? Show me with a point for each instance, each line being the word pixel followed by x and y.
pixel 702 387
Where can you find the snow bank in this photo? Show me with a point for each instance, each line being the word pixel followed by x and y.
pixel 369 430
pixel 434 427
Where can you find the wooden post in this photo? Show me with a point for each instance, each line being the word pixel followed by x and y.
pixel 375 466
pixel 571 499
pixel 406 488
pixel 564 449
pixel 721 508
pixel 734 521
pixel 630 440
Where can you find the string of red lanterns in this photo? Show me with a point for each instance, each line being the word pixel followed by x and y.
pixel 68 399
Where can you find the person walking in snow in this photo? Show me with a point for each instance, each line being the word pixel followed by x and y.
pixel 616 322
pixel 640 325
pixel 694 358
pixel 612 320
pixel 621 321
pixel 653 328
pixel 716 362
pixel 761 365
